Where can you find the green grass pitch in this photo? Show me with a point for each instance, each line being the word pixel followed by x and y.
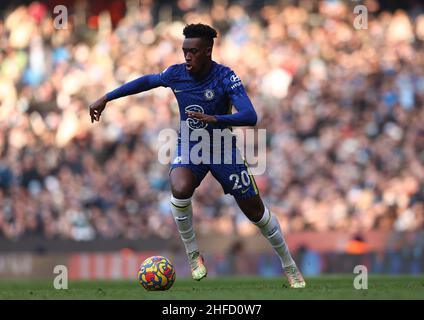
pixel 226 288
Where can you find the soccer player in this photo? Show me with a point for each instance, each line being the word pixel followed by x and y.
pixel 206 92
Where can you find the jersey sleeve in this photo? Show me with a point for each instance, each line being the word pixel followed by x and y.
pixel 144 83
pixel 246 114
pixel 233 86
pixel 167 76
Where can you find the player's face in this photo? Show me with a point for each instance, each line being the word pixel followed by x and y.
pixel 196 54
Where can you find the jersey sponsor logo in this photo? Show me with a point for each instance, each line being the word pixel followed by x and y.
pixel 209 94
pixel 194 123
pixel 235 85
pixel 237 81
pixel 235 78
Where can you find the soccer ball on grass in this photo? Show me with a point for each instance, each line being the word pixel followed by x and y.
pixel 156 273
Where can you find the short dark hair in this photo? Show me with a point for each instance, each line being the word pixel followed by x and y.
pixel 200 30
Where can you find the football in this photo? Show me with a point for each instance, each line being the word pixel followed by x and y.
pixel 156 273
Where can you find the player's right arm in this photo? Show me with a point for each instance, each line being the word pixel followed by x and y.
pixel 138 85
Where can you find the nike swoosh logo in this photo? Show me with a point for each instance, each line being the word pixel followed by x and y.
pixel 244 191
pixel 176 91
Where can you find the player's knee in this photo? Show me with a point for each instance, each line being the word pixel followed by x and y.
pixel 182 189
pixel 253 214
pixel 253 208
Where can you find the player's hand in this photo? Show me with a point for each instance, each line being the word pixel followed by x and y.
pixel 202 117
pixel 97 108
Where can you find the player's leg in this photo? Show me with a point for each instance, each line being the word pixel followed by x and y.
pixel 269 226
pixel 183 184
pixel 236 179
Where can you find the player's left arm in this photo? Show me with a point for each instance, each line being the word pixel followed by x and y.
pixel 245 115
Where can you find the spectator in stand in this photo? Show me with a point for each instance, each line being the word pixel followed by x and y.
pixel 343 109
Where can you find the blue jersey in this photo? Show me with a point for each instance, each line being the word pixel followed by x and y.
pixel 213 94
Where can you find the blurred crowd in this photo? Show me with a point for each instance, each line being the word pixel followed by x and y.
pixel 343 110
